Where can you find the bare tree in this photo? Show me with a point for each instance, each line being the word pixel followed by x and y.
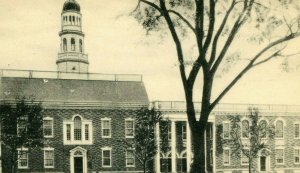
pixel 216 30
pixel 249 136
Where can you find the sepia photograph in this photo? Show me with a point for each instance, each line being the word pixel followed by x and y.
pixel 150 86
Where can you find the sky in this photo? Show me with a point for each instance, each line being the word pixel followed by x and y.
pixel 117 44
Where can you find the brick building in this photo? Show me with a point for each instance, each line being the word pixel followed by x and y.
pixel 284 153
pixel 85 114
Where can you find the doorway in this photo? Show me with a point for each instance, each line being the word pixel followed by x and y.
pixel 78 165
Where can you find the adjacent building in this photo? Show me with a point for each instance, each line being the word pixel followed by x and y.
pixel 281 157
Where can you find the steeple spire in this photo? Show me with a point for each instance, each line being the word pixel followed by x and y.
pixel 72 57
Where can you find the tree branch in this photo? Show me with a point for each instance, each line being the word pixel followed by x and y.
pixel 251 64
pixel 151 4
pixel 238 23
pixel 184 20
pixel 211 25
pixel 218 34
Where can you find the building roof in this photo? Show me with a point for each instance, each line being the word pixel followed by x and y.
pixel 71 5
pixel 73 90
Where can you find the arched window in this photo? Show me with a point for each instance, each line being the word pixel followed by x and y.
pixel 279 129
pixel 245 129
pixel 80 46
pixel 74 20
pixel 70 19
pixel 72 44
pixel 77 128
pixel 65 44
pixel 263 126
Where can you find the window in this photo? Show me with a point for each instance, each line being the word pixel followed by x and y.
pixel 86 132
pixel 72 44
pixel 279 156
pixel 23 158
pixel 297 130
pixel 130 160
pixel 78 131
pixel 68 132
pixel 245 129
pixel 49 158
pixel 244 158
pixel 21 126
pixel 184 132
pixel 129 128
pixel 106 157
pixel 77 128
pixel 48 127
pixel 279 129
pixel 226 130
pixel 64 44
pixel 263 125
pixel 226 157
pixel 70 19
pixel 73 19
pixel 80 46
pixel 297 156
pixel 106 128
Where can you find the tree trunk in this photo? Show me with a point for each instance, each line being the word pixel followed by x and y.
pixel 198 141
pixel 14 161
pixel 250 165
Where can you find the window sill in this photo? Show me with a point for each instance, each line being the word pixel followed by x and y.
pixel 130 137
pixel 78 142
pixel 106 166
pixel 23 167
pixel 130 166
pixel 48 137
pixel 106 136
pixel 48 167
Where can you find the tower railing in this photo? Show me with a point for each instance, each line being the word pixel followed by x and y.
pixel 73 55
pixel 69 75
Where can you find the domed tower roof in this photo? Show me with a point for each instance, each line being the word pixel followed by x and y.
pixel 71 5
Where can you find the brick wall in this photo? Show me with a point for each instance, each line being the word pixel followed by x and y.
pixel 288 143
pixel 94 153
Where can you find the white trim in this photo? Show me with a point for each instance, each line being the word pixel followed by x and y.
pixel 283 125
pixel 226 164
pixel 84 159
pixel 110 130
pixel 27 159
pixel 223 135
pixel 279 148
pixel 294 125
pixel 126 157
pixel 110 154
pixel 242 154
pixel 133 128
pixel 48 149
pixel 83 123
pixel 52 128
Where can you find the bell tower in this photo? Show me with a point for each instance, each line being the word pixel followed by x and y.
pixel 72 57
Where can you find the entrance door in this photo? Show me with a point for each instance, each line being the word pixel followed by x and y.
pixel 263 163
pixel 78 165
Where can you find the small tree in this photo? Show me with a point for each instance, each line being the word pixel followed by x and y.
pixel 21 126
pixel 251 136
pixel 144 144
